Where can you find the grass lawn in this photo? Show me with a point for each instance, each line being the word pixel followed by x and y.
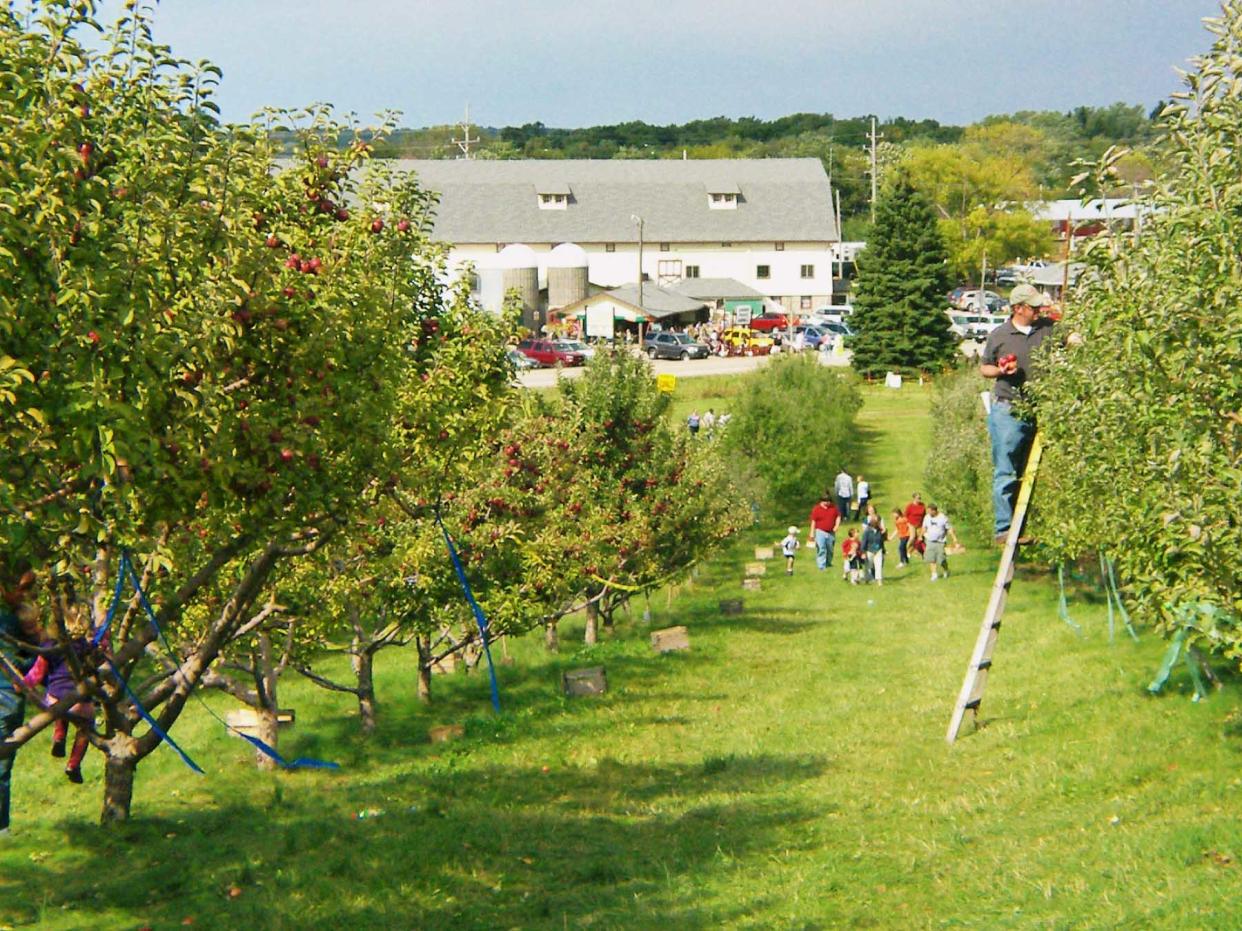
pixel 789 771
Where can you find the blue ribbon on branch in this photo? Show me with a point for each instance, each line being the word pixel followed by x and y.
pixel 267 750
pixel 479 617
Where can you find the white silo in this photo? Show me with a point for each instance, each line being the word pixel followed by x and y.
pixel 567 275
pixel 520 272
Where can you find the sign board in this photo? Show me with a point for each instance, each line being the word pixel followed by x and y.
pixel 742 314
pixel 666 383
pixel 599 321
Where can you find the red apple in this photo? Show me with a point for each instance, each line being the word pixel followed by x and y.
pixel 377 225
pixel 403 226
pixel 272 242
pixel 342 214
pixel 287 455
pixel 93 337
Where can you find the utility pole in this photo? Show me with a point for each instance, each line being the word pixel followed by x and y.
pixel 874 137
pixel 465 142
pixel 641 307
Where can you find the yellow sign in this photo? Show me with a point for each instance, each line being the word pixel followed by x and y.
pixel 666 383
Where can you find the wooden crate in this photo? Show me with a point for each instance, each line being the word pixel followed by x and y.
pixel 446 732
pixel 246 720
pixel 756 568
pixel 752 585
pixel 765 552
pixel 445 665
pixel 670 640
pixel 590 681
pixel 730 607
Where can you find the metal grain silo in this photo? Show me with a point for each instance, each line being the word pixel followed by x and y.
pixel 520 272
pixel 567 275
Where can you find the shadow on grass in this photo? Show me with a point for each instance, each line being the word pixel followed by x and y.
pixel 617 843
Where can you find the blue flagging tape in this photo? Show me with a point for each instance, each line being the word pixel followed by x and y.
pixel 102 630
pixel 479 617
pixel 264 748
pixel 163 735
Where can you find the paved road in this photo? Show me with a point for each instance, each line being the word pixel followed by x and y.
pixel 715 365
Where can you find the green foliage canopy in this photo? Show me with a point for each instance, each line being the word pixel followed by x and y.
pixel 1142 421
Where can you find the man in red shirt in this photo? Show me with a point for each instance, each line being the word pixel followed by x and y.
pixel 916 510
pixel 825 519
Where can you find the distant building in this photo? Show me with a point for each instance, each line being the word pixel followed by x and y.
pixel 1091 218
pixel 767 224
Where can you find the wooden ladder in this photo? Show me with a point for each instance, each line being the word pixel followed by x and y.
pixel 981 659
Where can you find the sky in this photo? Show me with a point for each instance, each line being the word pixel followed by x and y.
pixel 589 62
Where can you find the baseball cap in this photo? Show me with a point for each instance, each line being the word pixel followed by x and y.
pixel 1028 295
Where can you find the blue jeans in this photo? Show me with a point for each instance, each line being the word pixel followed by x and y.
pixel 1011 441
pixel 12 708
pixel 825 540
pixel 843 506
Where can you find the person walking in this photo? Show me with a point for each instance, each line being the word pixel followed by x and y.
pixel 18 626
pixel 873 550
pixel 843 488
pixel 901 527
pixel 1007 361
pixel 851 562
pixel 936 530
pixel 789 549
pixel 825 519
pixel 864 495
pixel 693 423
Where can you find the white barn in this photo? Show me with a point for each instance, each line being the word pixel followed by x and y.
pixel 767 223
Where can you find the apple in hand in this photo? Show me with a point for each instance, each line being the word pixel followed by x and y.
pixel 1008 364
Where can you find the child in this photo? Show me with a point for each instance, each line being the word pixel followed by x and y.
pixel 55 670
pixel 902 527
pixel 789 546
pixel 850 559
pixel 873 550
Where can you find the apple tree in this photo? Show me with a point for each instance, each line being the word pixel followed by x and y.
pixel 203 357
pixel 1142 422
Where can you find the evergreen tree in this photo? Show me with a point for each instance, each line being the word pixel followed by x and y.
pixel 902 280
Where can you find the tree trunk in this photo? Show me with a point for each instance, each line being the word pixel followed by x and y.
pixel 268 733
pixel 550 639
pixel 119 766
pixel 424 669
pixel 266 712
pixel 592 623
pixel 364 667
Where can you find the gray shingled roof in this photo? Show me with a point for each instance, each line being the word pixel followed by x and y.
pixel 781 199
pixel 657 302
pixel 714 289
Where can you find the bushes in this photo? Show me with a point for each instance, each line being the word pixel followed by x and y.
pixel 795 428
pixel 959 470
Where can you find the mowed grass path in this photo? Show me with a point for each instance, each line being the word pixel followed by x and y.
pixel 790 771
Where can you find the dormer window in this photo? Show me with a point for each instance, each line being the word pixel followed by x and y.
pixel 722 196
pixel 553 196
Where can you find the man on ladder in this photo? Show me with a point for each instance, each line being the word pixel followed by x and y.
pixel 1015 457
pixel 1007 359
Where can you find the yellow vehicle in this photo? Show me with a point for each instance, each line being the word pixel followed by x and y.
pixel 741 340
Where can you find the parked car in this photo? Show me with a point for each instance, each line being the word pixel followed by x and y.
pixel 981 300
pixel 958 323
pixel 832 313
pixel 577 345
pixel 675 346
pixel 1007 277
pixel 547 352
pixel 520 361
pixel 812 335
pixel 768 322
pixel 740 341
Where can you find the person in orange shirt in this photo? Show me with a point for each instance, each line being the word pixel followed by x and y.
pixel 901 527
